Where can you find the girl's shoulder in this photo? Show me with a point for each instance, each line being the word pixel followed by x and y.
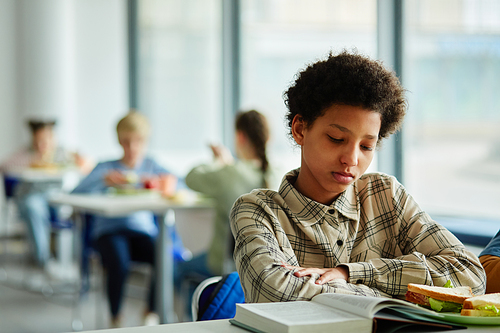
pixel 376 183
pixel 111 164
pixel 261 199
pixel 150 163
pixel 378 178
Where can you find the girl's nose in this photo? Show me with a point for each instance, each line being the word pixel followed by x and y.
pixel 350 156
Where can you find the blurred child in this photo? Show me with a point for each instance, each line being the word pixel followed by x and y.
pixel 490 259
pixel 132 238
pixel 225 180
pixel 32 196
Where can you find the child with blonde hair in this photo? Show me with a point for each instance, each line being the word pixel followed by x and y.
pixel 131 238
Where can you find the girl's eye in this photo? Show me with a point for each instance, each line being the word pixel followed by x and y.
pixel 366 148
pixel 335 140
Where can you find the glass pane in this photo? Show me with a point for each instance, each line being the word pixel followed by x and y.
pixel 279 37
pixel 452 70
pixel 180 77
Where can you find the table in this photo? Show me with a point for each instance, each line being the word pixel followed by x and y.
pixel 223 326
pixel 69 176
pixel 122 205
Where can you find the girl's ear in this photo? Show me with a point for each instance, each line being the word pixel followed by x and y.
pixel 241 138
pixel 298 128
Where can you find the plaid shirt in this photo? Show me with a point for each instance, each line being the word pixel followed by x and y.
pixel 374 227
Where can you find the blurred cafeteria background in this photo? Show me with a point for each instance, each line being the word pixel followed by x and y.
pixel 190 65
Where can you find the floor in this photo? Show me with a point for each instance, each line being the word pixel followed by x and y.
pixel 30 304
pixel 35 300
pixel 32 300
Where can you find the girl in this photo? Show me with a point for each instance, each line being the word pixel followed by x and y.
pixel 224 180
pixel 330 227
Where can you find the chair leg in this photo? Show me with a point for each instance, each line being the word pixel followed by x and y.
pixel 100 298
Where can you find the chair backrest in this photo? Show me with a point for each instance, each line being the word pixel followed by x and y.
pixel 9 184
pixel 216 298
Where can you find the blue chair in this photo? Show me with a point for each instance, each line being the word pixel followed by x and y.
pixel 9 184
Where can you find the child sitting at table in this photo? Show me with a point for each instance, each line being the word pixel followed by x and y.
pixel 490 259
pixel 225 179
pixel 330 228
pixel 132 238
pixel 31 197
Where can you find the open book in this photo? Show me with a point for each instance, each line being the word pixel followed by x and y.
pixel 335 312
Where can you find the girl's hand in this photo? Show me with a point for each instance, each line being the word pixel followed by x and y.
pixel 326 274
pixel 222 154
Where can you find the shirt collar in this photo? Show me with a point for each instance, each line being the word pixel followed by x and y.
pixel 309 211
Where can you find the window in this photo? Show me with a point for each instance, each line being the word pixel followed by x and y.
pixel 279 37
pixel 452 131
pixel 179 86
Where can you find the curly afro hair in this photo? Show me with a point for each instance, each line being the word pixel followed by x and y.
pixel 347 79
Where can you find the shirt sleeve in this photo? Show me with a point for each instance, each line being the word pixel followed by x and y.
pixel 157 169
pixel 17 161
pixel 491 265
pixel 94 181
pixel 493 247
pixel 261 246
pixel 424 252
pixel 206 178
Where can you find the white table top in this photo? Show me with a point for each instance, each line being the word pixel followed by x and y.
pixel 215 326
pixel 40 174
pixel 120 205
pixel 223 326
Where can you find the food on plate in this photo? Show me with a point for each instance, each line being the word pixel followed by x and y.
pixel 131 177
pixel 44 165
pixel 440 299
pixel 482 306
pixel 152 183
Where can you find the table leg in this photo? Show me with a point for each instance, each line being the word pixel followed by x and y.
pixel 165 269
pixel 77 322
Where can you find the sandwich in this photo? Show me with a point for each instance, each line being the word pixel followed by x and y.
pixel 440 299
pixel 482 306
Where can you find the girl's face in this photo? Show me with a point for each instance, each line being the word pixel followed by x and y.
pixel 336 150
pixel 134 146
pixel 43 140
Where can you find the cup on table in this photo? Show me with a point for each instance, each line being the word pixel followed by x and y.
pixel 168 185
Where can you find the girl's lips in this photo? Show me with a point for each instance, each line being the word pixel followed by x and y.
pixel 343 178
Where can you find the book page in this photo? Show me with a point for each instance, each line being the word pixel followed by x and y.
pixel 361 305
pixel 296 313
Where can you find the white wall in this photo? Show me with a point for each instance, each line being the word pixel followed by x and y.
pixel 102 74
pixel 65 59
pixel 8 82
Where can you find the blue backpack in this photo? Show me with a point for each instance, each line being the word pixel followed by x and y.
pixel 218 301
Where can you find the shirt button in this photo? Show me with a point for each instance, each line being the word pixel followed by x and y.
pixel 340 242
pixel 359 281
pixel 331 211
